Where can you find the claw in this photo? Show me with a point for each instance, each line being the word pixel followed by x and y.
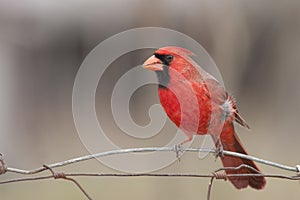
pixel 178 150
pixel 219 150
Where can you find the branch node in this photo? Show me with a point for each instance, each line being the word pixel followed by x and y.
pixel 3 167
pixel 56 175
pixel 298 169
pixel 61 175
pixel 219 175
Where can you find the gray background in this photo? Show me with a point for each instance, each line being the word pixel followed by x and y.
pixel 42 44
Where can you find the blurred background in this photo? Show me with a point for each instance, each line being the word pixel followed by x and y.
pixel 255 44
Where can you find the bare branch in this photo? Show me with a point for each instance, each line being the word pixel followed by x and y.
pixel 278 176
pixel 150 149
pixel 215 175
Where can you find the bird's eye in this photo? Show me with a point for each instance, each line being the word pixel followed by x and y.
pixel 169 58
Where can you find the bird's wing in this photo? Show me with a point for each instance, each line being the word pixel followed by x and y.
pixel 219 96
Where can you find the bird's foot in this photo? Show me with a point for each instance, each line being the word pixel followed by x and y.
pixel 178 150
pixel 219 150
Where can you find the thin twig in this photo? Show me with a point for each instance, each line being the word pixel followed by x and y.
pixel 79 186
pixel 209 187
pixel 62 175
pixel 25 179
pixel 150 149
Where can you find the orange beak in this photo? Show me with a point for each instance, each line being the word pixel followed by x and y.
pixel 154 64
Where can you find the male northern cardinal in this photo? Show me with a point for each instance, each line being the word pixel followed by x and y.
pixel 198 104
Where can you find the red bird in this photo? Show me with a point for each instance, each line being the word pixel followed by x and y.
pixel 198 104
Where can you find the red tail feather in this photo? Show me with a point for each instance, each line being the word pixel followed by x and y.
pixel 235 145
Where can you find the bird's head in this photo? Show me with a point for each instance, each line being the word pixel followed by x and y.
pixel 170 56
pixel 170 59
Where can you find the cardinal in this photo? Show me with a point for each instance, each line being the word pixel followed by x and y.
pixel 198 104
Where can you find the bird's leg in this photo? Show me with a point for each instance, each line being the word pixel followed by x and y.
pixel 188 139
pixel 219 149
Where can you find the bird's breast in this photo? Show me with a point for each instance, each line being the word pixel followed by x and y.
pixel 188 107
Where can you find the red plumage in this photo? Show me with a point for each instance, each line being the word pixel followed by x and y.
pixel 198 104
